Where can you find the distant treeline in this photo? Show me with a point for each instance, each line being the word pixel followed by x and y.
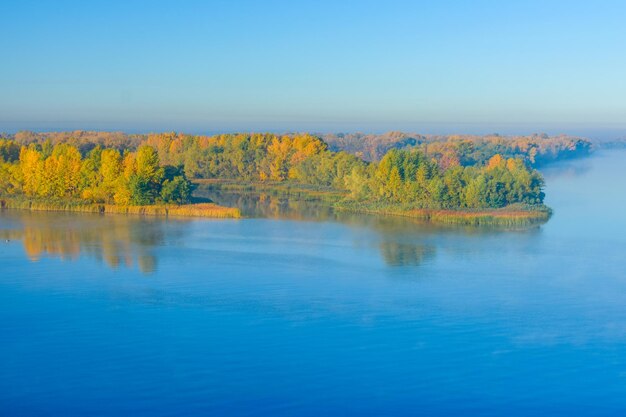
pixel 464 150
pixel 66 166
pixel 535 150
pixel 83 140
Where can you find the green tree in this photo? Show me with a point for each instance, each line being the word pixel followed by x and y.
pixel 177 190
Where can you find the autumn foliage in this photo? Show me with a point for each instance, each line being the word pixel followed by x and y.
pixel 156 171
pixel 101 176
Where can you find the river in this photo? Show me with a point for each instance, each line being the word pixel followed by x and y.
pixel 301 311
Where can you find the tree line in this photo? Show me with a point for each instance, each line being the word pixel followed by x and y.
pixel 100 176
pixel 407 177
pixel 535 149
pixel 158 171
pixel 449 150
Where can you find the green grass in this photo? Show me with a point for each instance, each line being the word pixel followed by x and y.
pixel 514 215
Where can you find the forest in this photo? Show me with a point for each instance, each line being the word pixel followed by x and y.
pixel 106 176
pixel 536 150
pixel 158 169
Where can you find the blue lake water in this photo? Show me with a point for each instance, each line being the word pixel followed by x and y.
pixel 307 313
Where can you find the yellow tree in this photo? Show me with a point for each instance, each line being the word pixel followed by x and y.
pixel 496 161
pixel 122 194
pixel 31 164
pixel 394 184
pixel 148 164
pixel 64 165
pixel 278 155
pixel 111 173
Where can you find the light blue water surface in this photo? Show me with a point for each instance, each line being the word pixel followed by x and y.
pixel 328 316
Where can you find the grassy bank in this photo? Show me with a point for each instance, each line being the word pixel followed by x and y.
pixel 188 210
pixel 516 215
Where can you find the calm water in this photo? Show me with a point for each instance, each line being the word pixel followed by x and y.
pixel 312 314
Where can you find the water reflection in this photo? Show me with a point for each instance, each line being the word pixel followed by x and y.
pixel 299 206
pixel 270 206
pixel 130 241
pixel 402 241
pixel 115 240
pixel 406 254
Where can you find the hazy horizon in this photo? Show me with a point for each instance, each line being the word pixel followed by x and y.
pixel 428 67
pixel 602 134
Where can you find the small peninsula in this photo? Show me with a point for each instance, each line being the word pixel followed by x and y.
pixel 459 180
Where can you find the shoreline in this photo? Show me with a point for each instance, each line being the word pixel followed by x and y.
pixel 514 215
pixel 201 210
pixel 488 217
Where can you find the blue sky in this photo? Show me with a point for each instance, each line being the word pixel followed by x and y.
pixel 206 66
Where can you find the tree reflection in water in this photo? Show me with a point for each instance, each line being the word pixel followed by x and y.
pixel 114 240
pixel 119 240
pixel 405 254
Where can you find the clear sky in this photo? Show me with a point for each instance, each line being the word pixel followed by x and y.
pixel 211 66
